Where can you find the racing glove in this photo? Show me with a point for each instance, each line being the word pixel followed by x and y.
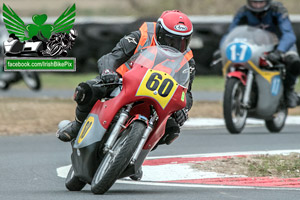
pixel 82 94
pixel 275 56
pixel 181 116
pixel 109 76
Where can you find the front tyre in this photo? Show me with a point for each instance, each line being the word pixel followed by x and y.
pixel 73 183
pixel 278 121
pixel 235 114
pixel 116 161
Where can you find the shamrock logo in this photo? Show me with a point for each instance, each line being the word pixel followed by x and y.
pixel 39 29
pixel 15 25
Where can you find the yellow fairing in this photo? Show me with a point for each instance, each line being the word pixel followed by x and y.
pixel 158 85
pixel 268 75
pixel 86 128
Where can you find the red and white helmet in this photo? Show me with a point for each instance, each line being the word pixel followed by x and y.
pixel 174 29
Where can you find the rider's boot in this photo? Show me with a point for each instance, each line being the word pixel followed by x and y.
pixel 70 131
pixel 171 133
pixel 293 71
pixel 291 96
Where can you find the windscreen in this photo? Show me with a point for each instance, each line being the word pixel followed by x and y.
pixel 252 35
pixel 166 59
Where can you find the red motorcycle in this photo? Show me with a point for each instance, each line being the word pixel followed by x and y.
pixel 119 132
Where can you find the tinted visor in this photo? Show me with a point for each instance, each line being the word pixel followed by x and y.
pixel 258 5
pixel 178 42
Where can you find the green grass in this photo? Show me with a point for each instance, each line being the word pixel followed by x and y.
pixel 71 80
pixel 280 166
pixel 60 80
pixel 208 83
pixel 274 165
pixel 64 80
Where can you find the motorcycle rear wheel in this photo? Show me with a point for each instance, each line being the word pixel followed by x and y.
pixel 4 85
pixel 72 182
pixel 235 114
pixel 113 164
pixel 277 123
pixel 32 80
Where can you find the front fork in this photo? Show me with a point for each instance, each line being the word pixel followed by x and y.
pixel 145 136
pixel 120 124
pixel 248 89
pixel 116 130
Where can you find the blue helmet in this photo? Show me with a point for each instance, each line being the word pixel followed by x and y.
pixel 258 6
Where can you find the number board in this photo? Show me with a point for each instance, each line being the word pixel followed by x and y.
pixel 276 84
pixel 158 85
pixel 238 52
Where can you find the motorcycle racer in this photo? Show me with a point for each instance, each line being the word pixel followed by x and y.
pixel 174 29
pixel 273 16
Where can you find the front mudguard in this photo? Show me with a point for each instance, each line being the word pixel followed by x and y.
pixel 138 117
pixel 239 75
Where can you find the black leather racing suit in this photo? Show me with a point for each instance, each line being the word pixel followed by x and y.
pixel 124 50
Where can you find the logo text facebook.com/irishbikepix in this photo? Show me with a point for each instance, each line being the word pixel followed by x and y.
pixel 39 46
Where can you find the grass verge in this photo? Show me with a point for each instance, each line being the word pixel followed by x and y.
pixel 21 116
pixel 280 166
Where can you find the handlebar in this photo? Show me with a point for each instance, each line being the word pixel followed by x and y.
pixel 275 64
pixel 101 84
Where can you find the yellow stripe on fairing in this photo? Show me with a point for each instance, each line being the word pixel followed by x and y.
pixel 265 74
pixel 226 67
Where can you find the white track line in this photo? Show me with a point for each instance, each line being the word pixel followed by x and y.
pixel 63 171
pixel 201 186
pixel 212 122
pixel 273 152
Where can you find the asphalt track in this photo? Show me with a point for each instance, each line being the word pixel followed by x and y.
pixel 28 166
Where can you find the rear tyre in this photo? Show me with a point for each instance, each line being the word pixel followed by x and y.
pixel 72 182
pixel 32 80
pixel 277 123
pixel 235 114
pixel 4 85
pixel 115 162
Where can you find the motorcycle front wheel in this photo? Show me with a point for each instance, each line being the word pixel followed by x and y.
pixel 235 114
pixel 116 160
pixel 72 182
pixel 278 121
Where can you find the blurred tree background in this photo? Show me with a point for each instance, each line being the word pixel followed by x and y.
pixel 97 36
pixel 137 8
